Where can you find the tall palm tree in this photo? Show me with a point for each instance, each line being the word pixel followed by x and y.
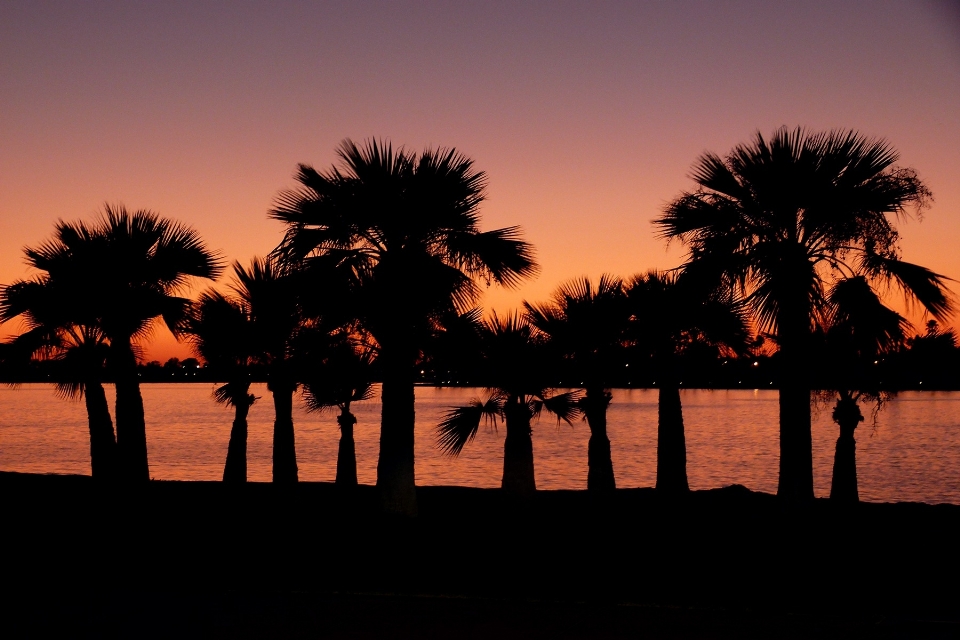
pixel 340 377
pixel 670 315
pixel 406 228
pixel 859 329
pixel 517 372
pixel 586 325
pixel 59 329
pixel 222 332
pixel 778 220
pixel 272 296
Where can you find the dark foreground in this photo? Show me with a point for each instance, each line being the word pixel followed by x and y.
pixel 185 559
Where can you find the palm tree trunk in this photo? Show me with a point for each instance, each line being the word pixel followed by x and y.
pixel 396 481
pixel 235 469
pixel 103 443
pixel 131 426
pixel 796 443
pixel 284 446
pixel 847 414
pixel 600 476
pixel 671 440
pixel 347 453
pixel 518 476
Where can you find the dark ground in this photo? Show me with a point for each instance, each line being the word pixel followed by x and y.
pixel 196 559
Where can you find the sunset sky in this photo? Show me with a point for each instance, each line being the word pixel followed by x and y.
pixel 586 116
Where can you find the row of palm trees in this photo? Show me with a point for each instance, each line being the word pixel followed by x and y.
pixel 382 261
pixel 588 332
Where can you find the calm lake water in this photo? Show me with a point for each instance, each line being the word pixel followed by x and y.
pixel 911 453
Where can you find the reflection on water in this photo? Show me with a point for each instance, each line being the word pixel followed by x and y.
pixel 912 453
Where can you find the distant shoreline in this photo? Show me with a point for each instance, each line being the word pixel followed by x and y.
pixel 744 387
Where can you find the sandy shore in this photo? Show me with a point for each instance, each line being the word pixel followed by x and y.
pixel 194 558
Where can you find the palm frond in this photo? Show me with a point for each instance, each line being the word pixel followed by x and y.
pixel 566 406
pixel 916 282
pixel 460 425
pixel 861 319
pixel 500 254
pixel 234 393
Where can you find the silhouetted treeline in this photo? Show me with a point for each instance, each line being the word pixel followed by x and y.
pixel 924 364
pixel 790 242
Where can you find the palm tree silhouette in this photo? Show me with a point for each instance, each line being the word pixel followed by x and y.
pixel 586 325
pixel 778 220
pixel 516 370
pixel 272 296
pixel 60 328
pixel 342 375
pixel 671 314
pixel 126 270
pixel 859 330
pixel 406 228
pixel 223 333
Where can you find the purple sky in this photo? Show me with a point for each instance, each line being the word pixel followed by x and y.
pixel 586 116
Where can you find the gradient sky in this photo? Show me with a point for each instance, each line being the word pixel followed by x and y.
pixel 586 116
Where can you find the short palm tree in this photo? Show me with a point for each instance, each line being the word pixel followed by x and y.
pixel 59 329
pixel 670 314
pixel 222 332
pixel 778 220
pixel 859 330
pixel 517 372
pixel 341 376
pixel 124 272
pixel 586 324
pixel 405 228
pixel 272 297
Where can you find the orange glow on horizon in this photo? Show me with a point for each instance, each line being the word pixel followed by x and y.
pixel 586 119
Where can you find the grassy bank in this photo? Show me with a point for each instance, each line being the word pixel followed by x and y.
pixel 258 559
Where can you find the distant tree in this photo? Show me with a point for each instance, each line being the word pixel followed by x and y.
pixel 344 374
pixel 406 228
pixel 61 329
pixel 672 315
pixel 222 332
pixel 859 329
pixel 932 360
pixel 586 325
pixel 516 369
pixel 779 221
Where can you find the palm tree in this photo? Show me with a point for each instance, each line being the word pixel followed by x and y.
pixel 125 270
pixel 222 332
pixel 778 220
pixel 58 330
pixel 516 371
pixel 859 330
pixel 271 295
pixel 586 325
pixel 340 377
pixel 672 314
pixel 406 228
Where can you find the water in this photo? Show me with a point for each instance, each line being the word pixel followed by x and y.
pixel 912 453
